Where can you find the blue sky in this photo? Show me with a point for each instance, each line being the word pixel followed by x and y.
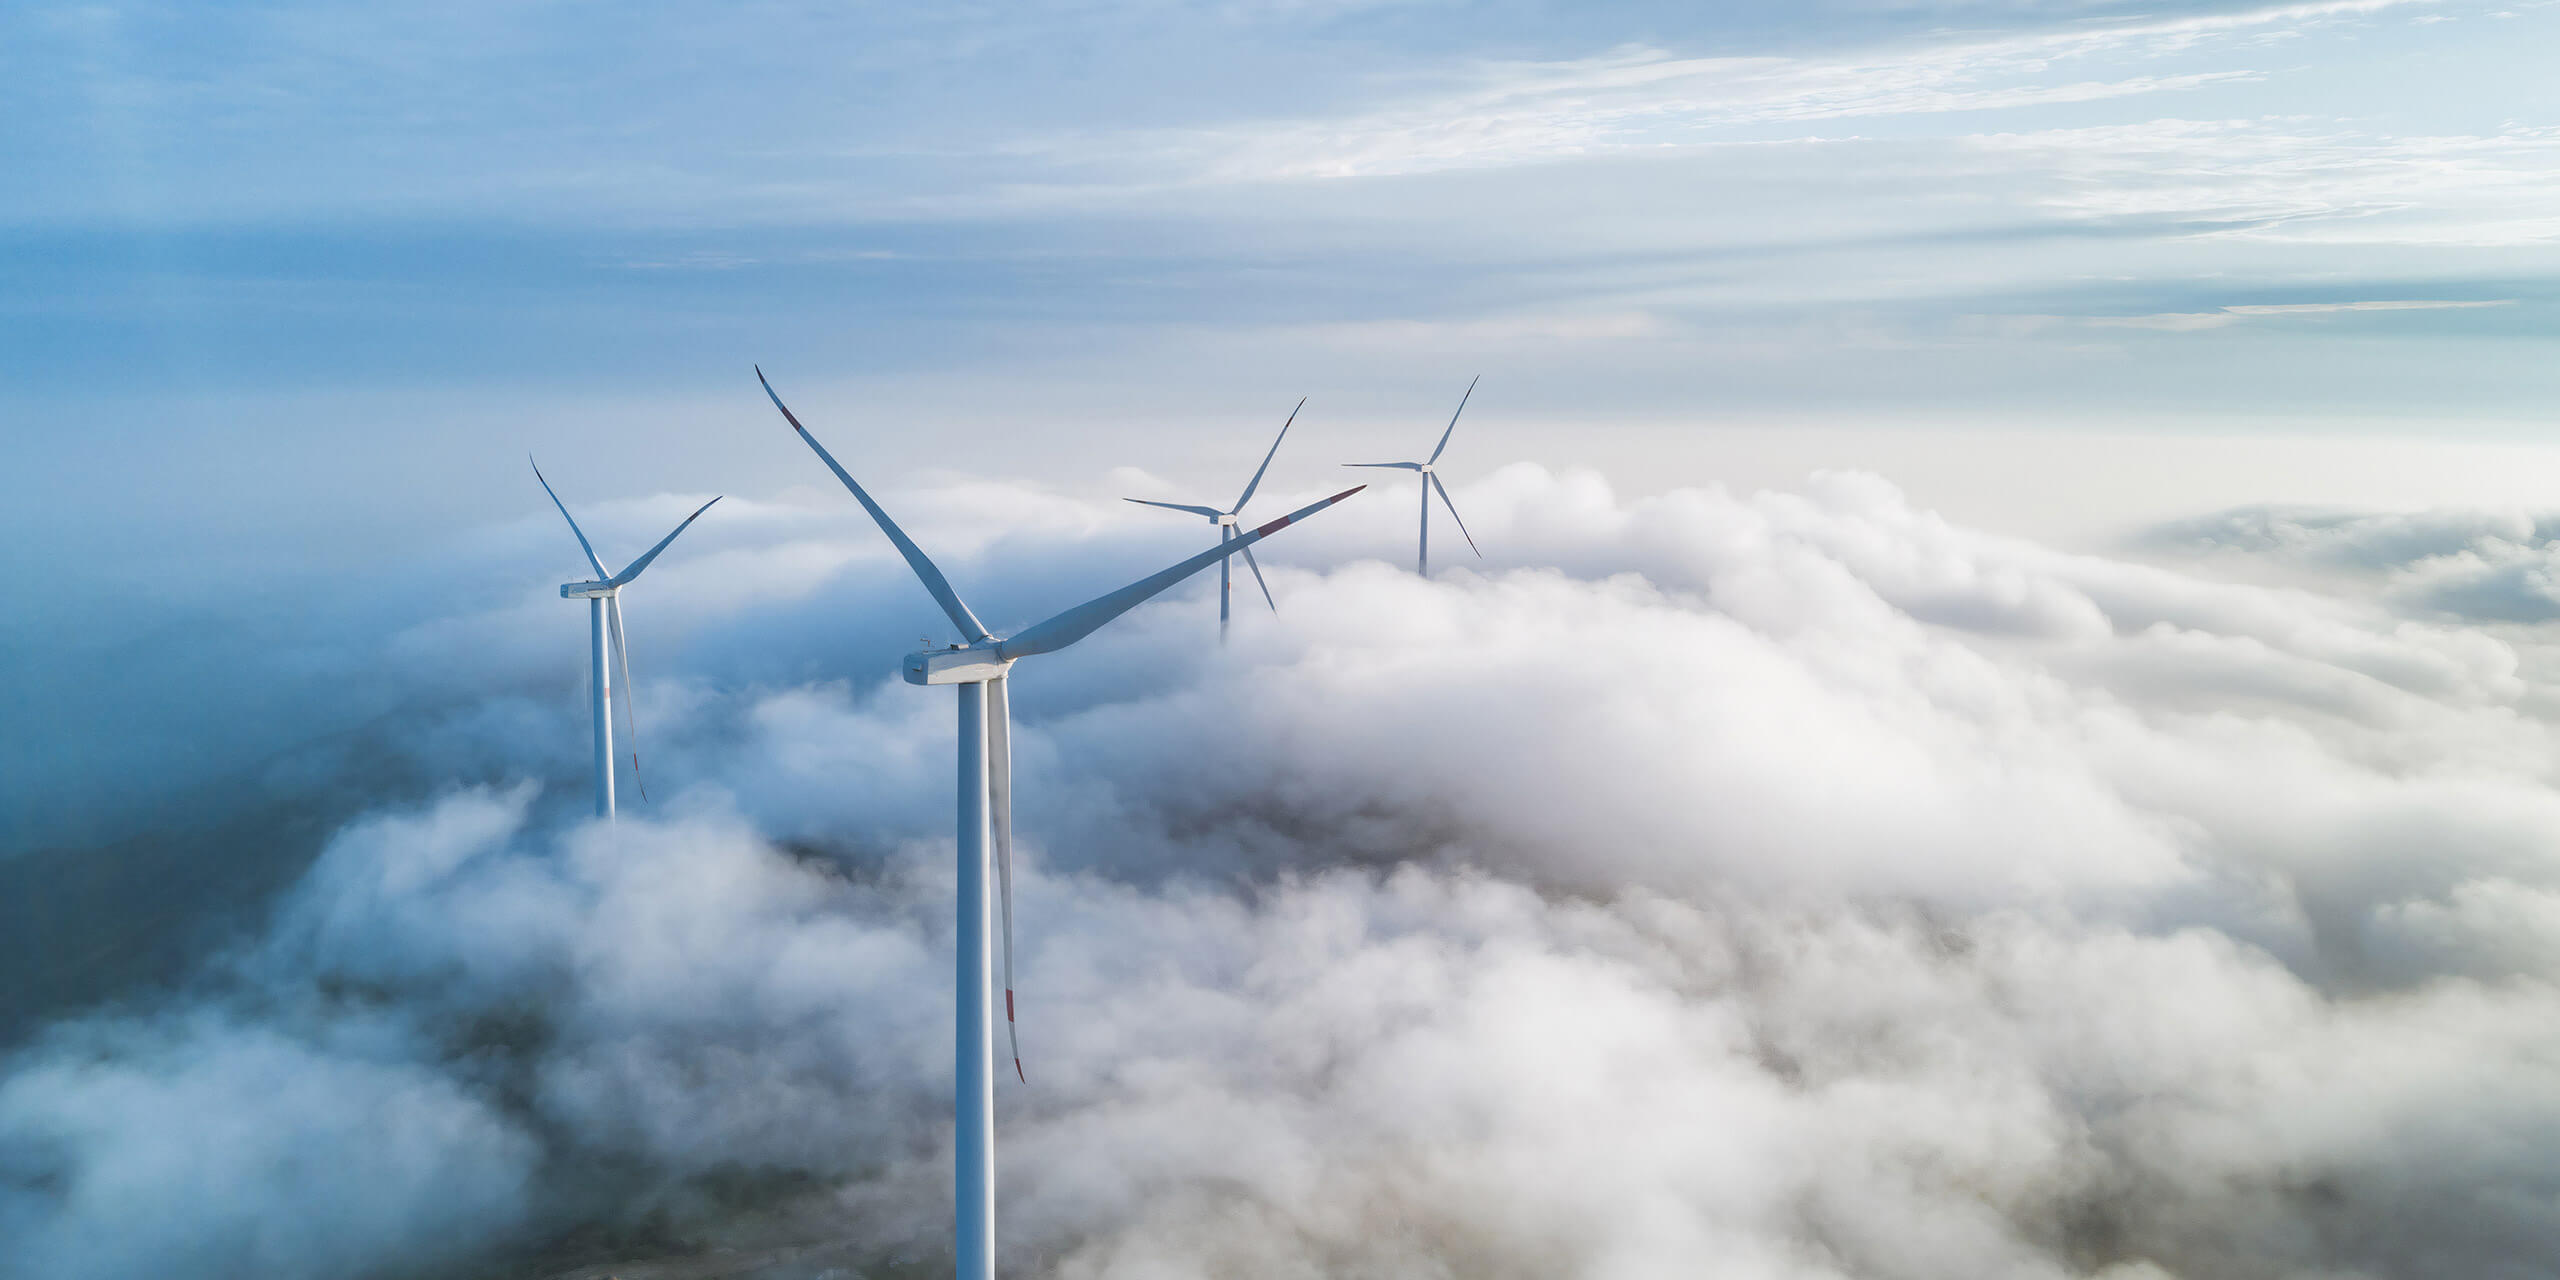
pixel 245 223
pixel 288 291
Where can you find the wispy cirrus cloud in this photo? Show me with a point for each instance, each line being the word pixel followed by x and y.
pixel 1642 97
pixel 2297 179
pixel 2403 304
pixel 2183 321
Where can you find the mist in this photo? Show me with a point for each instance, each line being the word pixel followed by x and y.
pixel 1793 883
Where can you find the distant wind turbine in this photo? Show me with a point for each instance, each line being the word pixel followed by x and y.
pixel 604 625
pixel 978 668
pixel 1226 522
pixel 1431 481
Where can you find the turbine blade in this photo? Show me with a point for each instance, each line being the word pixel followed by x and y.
pixel 934 582
pixel 1077 623
pixel 1208 512
pixel 1257 581
pixel 1453 419
pixel 583 544
pixel 632 570
pixel 1434 478
pixel 1000 813
pixel 1256 482
pixel 630 713
pixel 1400 466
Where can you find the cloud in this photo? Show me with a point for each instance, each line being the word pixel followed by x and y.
pixel 2323 308
pixel 1796 878
pixel 2482 566
pixel 200 1143
pixel 1639 98
pixel 2293 180
pixel 2189 321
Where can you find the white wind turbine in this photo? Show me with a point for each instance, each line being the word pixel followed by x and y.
pixel 1431 481
pixel 604 626
pixel 1226 522
pixel 978 668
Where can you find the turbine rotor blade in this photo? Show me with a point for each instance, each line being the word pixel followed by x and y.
pixel 632 570
pixel 1434 478
pixel 630 713
pixel 583 544
pixel 1075 624
pixel 1000 813
pixel 1400 466
pixel 1257 581
pixel 940 587
pixel 1211 513
pixel 1453 419
pixel 1256 482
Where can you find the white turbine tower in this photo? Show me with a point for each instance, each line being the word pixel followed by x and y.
pixel 1226 522
pixel 978 669
pixel 1431 481
pixel 604 627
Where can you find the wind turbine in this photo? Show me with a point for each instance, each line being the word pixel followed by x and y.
pixel 604 626
pixel 1431 481
pixel 1226 522
pixel 978 668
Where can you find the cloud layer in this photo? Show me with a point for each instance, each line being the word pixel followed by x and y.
pixel 1794 880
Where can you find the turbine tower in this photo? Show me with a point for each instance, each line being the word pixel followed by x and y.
pixel 604 628
pixel 1226 522
pixel 978 669
pixel 1431 481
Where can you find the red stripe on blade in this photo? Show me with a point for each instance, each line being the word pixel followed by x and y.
pixel 1283 522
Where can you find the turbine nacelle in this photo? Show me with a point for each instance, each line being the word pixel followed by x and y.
pixel 587 590
pixel 958 664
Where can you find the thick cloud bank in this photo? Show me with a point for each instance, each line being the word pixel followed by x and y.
pixel 1790 885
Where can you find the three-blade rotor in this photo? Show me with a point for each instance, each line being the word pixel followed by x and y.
pixel 1046 636
pixel 1431 480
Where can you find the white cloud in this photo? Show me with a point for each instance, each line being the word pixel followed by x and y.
pixel 1793 878
pixel 1641 98
pixel 2190 321
pixel 2295 180
pixel 2403 304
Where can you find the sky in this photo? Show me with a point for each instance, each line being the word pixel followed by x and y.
pixel 274 266
pixel 2002 724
